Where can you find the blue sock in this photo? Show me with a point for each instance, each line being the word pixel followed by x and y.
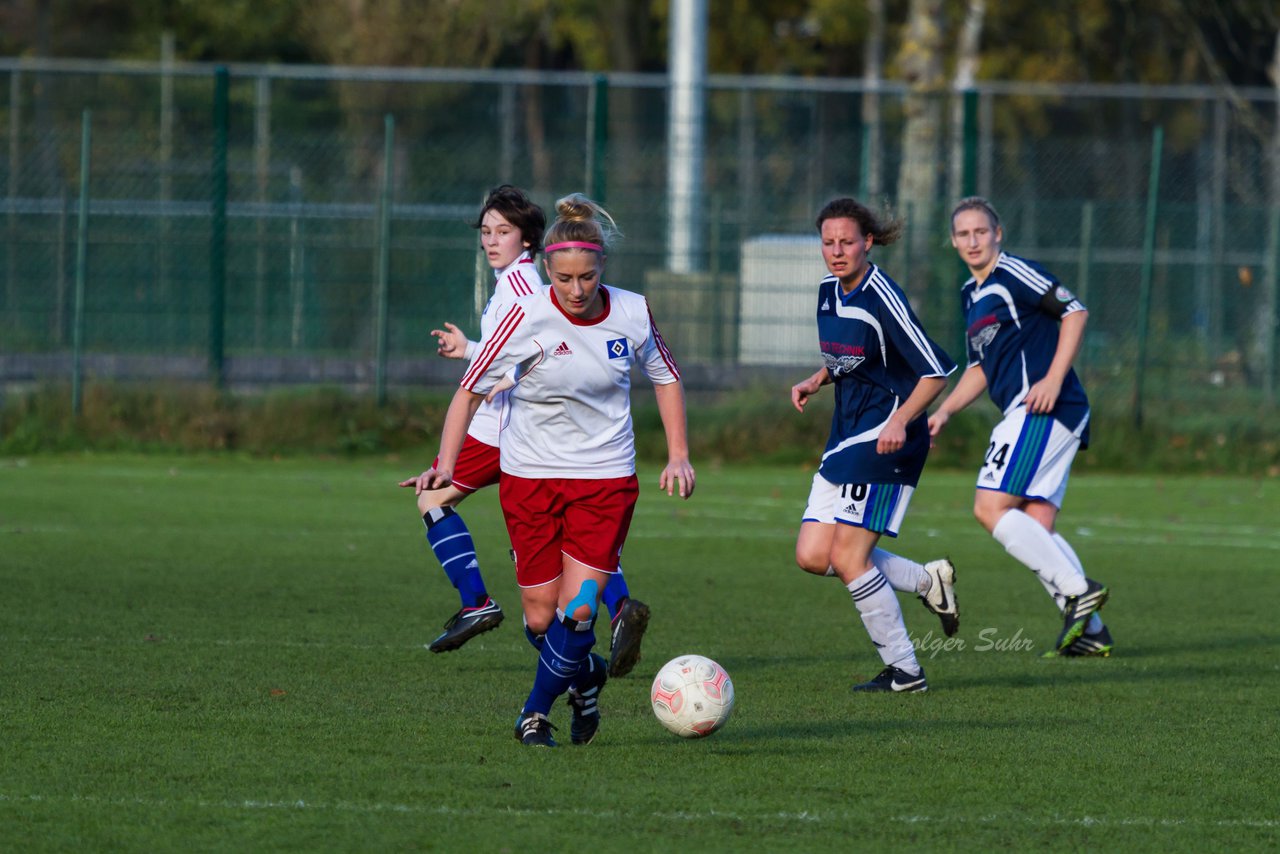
pixel 565 651
pixel 615 592
pixel 454 548
pixel 535 640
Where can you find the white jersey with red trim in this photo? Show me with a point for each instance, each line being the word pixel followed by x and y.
pixel 517 281
pixel 570 411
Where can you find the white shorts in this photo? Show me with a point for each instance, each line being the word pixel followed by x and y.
pixel 878 507
pixel 1029 455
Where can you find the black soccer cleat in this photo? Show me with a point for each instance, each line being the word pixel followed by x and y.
pixel 627 630
pixel 584 699
pixel 1095 645
pixel 534 730
pixel 466 624
pixel 941 598
pixel 1077 611
pixel 896 680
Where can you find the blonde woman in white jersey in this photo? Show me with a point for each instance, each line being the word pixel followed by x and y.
pixel 511 228
pixel 568 451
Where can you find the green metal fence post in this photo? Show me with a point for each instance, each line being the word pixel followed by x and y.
pixel 15 166
pixel 969 180
pixel 713 283
pixel 60 270
pixel 599 125
pixel 82 254
pixel 968 187
pixel 864 162
pixel 1082 271
pixel 1148 260
pixel 1269 301
pixel 905 244
pixel 297 260
pixel 218 229
pixel 381 297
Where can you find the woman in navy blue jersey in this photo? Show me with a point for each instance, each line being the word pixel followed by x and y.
pixel 1023 331
pixel 886 371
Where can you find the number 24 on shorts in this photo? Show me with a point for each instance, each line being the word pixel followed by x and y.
pixel 996 458
pixel 993 464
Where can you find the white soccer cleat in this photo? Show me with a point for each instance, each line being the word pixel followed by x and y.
pixel 941 597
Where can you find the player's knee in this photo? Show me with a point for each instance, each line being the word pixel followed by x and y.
pixel 1043 512
pixel 537 624
pixel 438 499
pixel 989 512
pixel 811 562
pixel 582 607
pixel 538 615
pixel 983 513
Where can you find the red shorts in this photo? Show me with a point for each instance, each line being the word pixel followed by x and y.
pixel 477 466
pixel 553 518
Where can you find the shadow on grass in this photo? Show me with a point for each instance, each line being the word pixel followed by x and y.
pixel 1215 643
pixel 740 737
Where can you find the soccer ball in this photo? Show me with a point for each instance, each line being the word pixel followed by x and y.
pixel 692 696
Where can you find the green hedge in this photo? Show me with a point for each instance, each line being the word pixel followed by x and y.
pixel 753 425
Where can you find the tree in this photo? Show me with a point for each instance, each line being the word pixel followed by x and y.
pixel 967 55
pixel 920 61
pixel 227 31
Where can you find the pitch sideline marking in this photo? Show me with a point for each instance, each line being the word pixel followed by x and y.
pixel 682 815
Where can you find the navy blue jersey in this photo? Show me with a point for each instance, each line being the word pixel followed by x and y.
pixel 876 352
pixel 1012 321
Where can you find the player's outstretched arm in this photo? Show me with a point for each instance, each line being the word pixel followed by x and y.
pixel 894 434
pixel 1043 394
pixel 973 382
pixel 678 473
pixel 807 387
pixel 456 421
pixel 450 342
pixel 507 381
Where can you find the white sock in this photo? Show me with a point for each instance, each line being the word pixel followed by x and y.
pixel 1058 598
pixel 904 574
pixel 1050 588
pixel 882 616
pixel 1034 547
pixel 1095 623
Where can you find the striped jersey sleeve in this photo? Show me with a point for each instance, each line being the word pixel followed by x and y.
pixel 925 357
pixel 497 351
pixel 1049 295
pixel 655 359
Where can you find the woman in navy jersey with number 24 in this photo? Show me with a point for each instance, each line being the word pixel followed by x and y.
pixel 1023 331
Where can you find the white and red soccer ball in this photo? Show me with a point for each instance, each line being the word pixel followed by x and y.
pixel 692 696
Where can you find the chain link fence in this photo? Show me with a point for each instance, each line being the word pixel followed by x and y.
pixel 264 225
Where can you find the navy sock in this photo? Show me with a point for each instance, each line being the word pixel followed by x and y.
pixel 566 650
pixel 615 593
pixel 454 548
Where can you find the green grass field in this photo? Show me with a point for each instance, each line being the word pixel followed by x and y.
pixel 227 654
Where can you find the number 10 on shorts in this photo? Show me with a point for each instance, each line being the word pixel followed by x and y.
pixel 877 507
pixel 853 502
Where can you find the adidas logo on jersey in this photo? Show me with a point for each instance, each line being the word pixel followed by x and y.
pixel 989 477
pixel 851 510
pixel 562 350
